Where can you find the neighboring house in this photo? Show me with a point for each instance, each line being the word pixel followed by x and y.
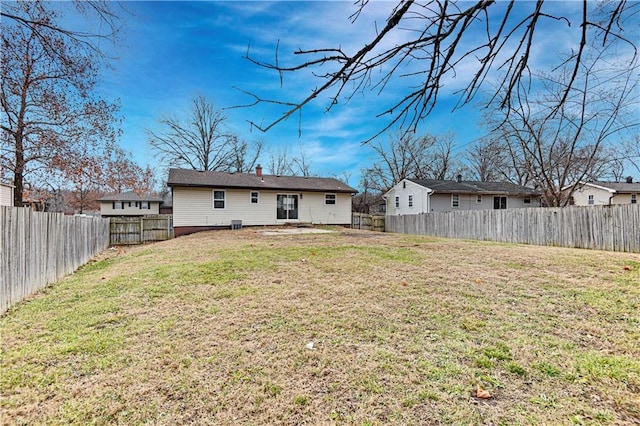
pixel 129 204
pixel 606 193
pixel 211 200
pixel 6 194
pixel 413 196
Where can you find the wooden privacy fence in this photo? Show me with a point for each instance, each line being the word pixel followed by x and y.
pixel 615 228
pixel 367 221
pixel 138 230
pixel 39 248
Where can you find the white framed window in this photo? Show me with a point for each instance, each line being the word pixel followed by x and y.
pixel 255 197
pixel 591 200
pixel 118 205
pixel 526 200
pixel 634 199
pixel 397 202
pixel 219 199
pixel 455 201
pixel 133 204
pixel 145 205
pixel 479 199
pixel 410 200
pixel 329 198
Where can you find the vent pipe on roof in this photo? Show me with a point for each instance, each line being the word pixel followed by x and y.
pixel 459 178
pixel 629 179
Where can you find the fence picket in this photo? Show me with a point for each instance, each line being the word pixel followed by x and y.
pixel 614 228
pixel 37 248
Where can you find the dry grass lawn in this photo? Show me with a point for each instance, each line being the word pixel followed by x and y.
pixel 351 327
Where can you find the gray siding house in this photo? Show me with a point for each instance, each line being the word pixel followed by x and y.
pixel 414 196
pixel 212 200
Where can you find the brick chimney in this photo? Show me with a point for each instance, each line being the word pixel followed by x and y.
pixel 629 179
pixel 259 170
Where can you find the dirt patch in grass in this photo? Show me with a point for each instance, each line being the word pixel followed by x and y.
pixel 349 327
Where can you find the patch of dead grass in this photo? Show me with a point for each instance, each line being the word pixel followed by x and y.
pixel 211 329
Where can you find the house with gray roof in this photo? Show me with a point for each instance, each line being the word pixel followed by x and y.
pixel 606 193
pixel 204 200
pixel 129 203
pixel 414 196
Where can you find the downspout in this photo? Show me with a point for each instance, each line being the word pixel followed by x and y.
pixel 429 192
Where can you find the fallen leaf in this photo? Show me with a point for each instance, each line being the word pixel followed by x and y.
pixel 478 280
pixel 404 283
pixel 627 268
pixel 482 393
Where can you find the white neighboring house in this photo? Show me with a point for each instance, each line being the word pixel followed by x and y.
pixel 129 204
pixel 606 193
pixel 6 194
pixel 414 196
pixel 212 200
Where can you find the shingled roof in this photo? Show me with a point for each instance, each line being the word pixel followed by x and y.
pixel 196 178
pixel 618 187
pixel 472 187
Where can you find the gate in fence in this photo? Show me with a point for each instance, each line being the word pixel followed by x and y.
pixel 367 221
pixel 139 230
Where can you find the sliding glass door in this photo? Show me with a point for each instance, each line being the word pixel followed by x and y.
pixel 287 206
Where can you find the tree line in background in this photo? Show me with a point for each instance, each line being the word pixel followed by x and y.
pixel 545 129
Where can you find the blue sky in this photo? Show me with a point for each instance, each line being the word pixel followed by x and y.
pixel 170 52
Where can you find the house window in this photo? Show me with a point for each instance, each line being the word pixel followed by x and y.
pixel 133 204
pixel 591 200
pixel 118 205
pixel 634 199
pixel 397 202
pixel 145 205
pixel 329 198
pixel 479 199
pixel 526 200
pixel 455 201
pixel 499 203
pixel 219 199
pixel 410 200
pixel 255 195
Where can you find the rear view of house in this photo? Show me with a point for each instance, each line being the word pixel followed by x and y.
pixel 212 200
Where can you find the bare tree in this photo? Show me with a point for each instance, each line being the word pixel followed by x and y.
pixel 42 28
pixel 486 160
pixel 280 162
pixel 200 141
pixel 244 157
pixel 410 156
pixel 556 147
pixel 49 111
pixel 423 44
pixel 283 162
